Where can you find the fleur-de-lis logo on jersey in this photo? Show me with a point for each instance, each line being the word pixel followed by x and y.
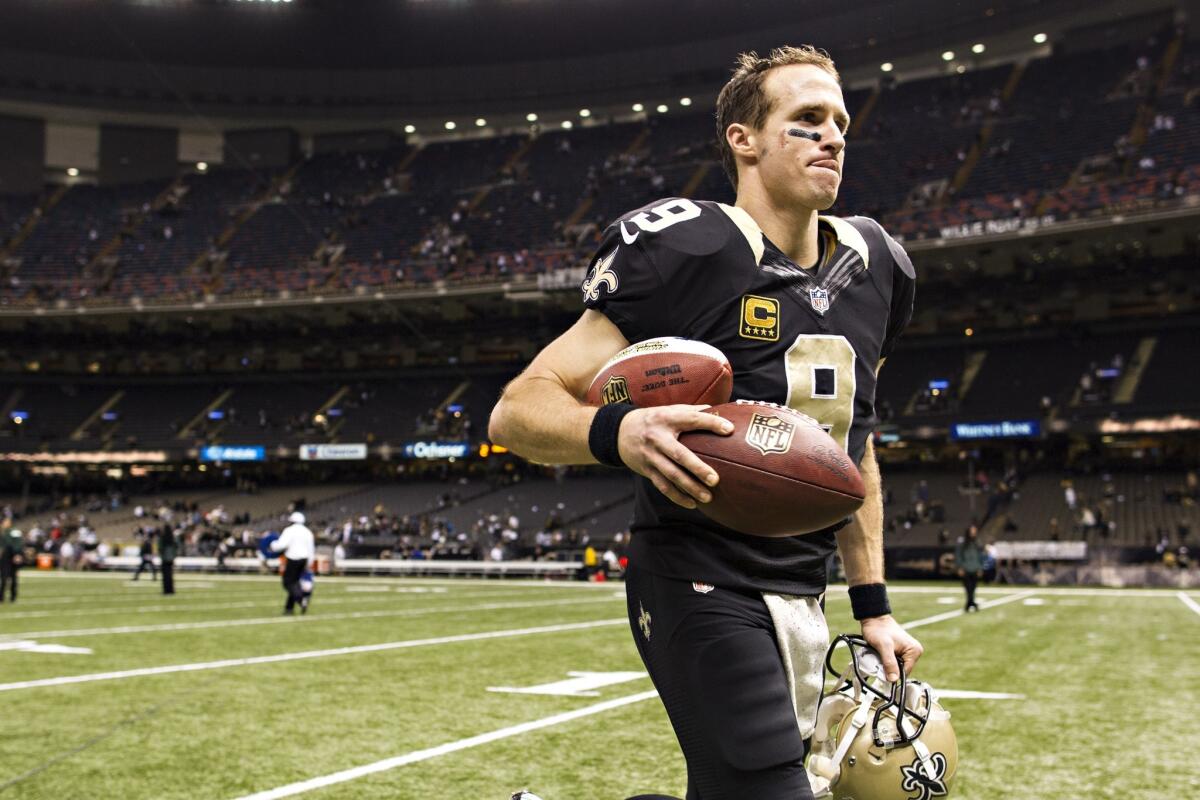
pixel 644 621
pixel 602 275
pixel 915 779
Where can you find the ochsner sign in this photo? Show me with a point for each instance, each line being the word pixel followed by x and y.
pixel 436 449
pixel 333 452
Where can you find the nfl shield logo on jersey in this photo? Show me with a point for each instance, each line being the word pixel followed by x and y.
pixel 819 299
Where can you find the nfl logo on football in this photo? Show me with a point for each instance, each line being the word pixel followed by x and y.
pixel 616 390
pixel 819 299
pixel 769 434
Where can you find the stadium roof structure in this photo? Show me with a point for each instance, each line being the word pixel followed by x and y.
pixel 307 57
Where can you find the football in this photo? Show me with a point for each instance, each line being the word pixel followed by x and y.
pixel 664 371
pixel 781 474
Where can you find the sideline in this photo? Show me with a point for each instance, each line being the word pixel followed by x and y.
pixel 181 606
pixel 515 583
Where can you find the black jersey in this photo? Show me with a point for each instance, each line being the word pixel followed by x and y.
pixel 808 339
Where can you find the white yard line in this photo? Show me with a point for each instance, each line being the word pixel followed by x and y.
pixel 412 580
pixel 308 654
pixel 280 620
pixel 451 747
pixel 181 604
pixel 1189 602
pixel 965 694
pixel 958 612
pixel 517 583
pixel 354 773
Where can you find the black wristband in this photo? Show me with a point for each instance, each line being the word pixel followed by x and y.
pixel 602 436
pixel 869 600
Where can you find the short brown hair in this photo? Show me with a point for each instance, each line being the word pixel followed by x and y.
pixel 743 100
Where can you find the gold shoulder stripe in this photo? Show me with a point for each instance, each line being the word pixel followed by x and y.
pixel 848 235
pixel 749 229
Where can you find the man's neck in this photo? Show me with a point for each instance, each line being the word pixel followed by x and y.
pixel 793 230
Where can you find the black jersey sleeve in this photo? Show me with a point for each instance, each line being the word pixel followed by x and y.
pixel 624 285
pixel 904 286
pixel 638 274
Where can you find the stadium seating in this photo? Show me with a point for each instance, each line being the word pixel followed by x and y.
pixel 488 207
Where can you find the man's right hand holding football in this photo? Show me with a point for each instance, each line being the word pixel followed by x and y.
pixel 649 445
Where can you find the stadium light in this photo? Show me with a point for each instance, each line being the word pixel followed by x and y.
pixel 410 128
pixel 567 124
pixel 886 66
pixel 638 108
pixel 978 48
pixel 531 117
pixel 450 125
pixel 202 166
pixel 948 55
pixel 585 112
pixel 72 172
pixel 685 101
pixel 479 123
pixel 1040 38
pixel 662 108
pixel 969 332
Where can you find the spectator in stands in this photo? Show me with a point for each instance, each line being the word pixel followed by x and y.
pixel 168 548
pixel 296 544
pixel 1087 521
pixel 968 558
pixel 1070 496
pixel 147 553
pixel 11 547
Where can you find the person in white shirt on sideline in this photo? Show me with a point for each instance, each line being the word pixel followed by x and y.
pixel 296 544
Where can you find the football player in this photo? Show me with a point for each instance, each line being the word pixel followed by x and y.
pixel 806 307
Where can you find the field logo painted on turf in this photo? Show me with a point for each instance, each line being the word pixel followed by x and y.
pixel 577 684
pixel 30 646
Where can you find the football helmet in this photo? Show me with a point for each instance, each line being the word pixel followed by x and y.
pixel 876 740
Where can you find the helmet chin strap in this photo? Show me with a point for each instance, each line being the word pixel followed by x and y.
pixel 920 749
pixel 857 722
pixel 832 768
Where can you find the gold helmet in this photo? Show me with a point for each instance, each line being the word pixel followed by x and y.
pixel 876 740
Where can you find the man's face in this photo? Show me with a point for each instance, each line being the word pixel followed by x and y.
pixel 794 170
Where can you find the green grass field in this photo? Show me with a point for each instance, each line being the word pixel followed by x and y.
pixel 393 677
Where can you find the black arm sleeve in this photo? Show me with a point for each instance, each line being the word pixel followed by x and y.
pixel 904 286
